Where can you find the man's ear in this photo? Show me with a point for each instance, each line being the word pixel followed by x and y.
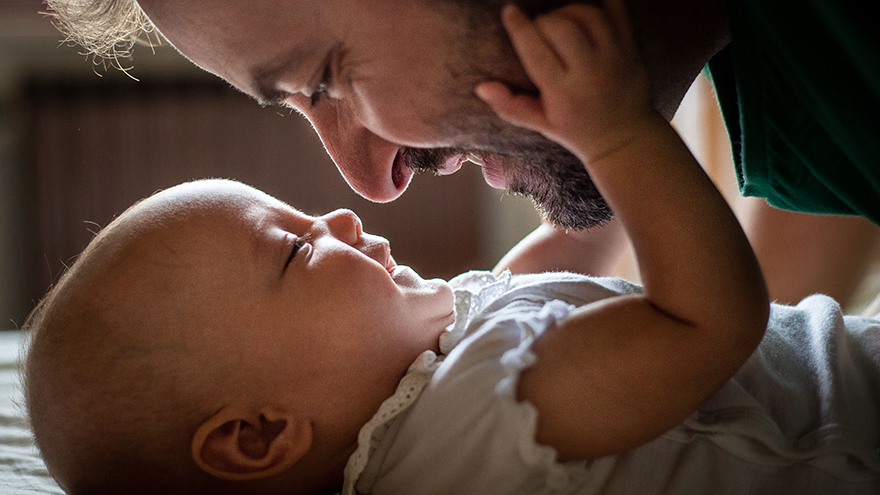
pixel 239 443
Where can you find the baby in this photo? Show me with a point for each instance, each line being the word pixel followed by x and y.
pixel 214 327
pixel 214 340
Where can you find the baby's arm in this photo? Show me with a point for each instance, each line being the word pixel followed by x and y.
pixel 617 374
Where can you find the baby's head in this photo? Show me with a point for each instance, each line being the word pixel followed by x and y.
pixel 213 339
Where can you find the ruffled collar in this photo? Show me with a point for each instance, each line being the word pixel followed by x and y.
pixel 473 292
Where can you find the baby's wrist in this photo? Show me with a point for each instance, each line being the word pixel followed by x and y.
pixel 597 143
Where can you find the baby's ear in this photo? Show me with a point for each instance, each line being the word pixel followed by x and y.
pixel 240 443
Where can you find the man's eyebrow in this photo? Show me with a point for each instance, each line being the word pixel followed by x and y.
pixel 265 77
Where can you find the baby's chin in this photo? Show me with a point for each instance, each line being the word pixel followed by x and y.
pixel 405 276
pixel 436 291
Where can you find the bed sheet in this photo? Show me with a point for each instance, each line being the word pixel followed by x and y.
pixel 22 472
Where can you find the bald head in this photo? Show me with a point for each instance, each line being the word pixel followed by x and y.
pixel 102 377
pixel 190 344
pixel 125 361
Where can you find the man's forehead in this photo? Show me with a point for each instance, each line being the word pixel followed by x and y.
pixel 230 37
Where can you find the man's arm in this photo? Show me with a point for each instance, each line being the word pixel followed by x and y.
pixel 802 254
pixel 619 373
pixel 597 251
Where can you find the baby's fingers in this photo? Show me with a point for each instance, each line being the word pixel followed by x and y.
pixel 537 57
pixel 564 33
pixel 619 20
pixel 522 110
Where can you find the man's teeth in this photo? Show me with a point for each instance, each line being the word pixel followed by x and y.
pixel 474 158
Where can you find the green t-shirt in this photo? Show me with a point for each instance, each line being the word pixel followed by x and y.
pixel 799 89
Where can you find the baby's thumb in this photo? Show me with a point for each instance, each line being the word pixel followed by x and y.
pixel 522 110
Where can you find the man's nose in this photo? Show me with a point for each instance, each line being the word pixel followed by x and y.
pixel 371 165
pixel 344 225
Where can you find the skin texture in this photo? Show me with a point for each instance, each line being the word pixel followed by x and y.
pixel 666 351
pixel 398 97
pixel 254 373
pixel 388 85
pixel 609 378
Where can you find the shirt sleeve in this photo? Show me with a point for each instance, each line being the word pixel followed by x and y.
pixel 799 90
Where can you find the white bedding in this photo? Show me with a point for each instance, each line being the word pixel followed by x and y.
pixel 22 472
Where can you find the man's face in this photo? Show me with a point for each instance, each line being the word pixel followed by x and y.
pixel 388 85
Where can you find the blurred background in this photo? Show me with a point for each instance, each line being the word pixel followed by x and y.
pixel 79 144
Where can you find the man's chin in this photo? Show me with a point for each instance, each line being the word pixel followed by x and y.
pixel 562 191
pixel 568 211
pixel 554 179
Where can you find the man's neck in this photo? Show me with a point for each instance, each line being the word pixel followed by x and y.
pixel 677 38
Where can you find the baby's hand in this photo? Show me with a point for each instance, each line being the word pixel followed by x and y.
pixel 584 62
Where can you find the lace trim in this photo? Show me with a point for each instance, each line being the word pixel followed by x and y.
pixel 372 433
pixel 473 291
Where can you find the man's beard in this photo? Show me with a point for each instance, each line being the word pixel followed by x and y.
pixel 554 179
pixel 536 167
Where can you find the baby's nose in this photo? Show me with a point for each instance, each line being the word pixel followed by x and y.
pixel 344 225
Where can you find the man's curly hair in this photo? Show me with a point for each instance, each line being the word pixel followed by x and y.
pixel 107 29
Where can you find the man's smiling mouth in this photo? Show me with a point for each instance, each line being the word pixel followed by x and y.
pixel 447 162
pixel 454 162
